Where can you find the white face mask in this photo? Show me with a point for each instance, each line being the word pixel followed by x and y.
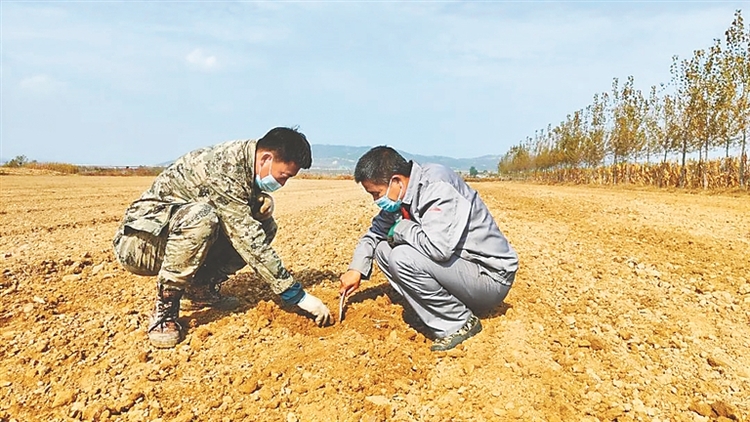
pixel 267 183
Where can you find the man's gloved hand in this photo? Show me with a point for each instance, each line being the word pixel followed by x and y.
pixel 316 307
pixel 263 207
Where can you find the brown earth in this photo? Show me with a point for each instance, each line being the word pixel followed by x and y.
pixel 629 305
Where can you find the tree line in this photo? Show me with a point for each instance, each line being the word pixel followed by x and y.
pixel 21 161
pixel 626 135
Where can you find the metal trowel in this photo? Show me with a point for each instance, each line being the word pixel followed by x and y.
pixel 342 301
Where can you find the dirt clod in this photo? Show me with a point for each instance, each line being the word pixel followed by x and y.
pixel 725 409
pixel 64 397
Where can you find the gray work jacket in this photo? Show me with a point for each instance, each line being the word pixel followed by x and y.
pixel 447 218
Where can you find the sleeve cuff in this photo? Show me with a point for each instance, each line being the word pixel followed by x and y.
pixel 365 273
pixel 293 295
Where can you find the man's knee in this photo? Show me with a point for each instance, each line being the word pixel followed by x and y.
pixel 138 252
pixel 195 216
pixel 382 252
pixel 404 260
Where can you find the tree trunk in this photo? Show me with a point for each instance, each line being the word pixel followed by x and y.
pixel 728 165
pixel 700 164
pixel 742 159
pixel 727 148
pixel 704 168
pixel 627 173
pixel 683 170
pixel 614 169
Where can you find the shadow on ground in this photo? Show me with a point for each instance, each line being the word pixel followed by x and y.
pixel 251 289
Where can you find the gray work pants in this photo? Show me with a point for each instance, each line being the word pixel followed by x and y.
pixel 192 246
pixel 443 294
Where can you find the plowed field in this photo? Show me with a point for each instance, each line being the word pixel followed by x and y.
pixel 629 305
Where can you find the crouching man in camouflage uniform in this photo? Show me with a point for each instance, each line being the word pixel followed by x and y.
pixel 436 243
pixel 207 216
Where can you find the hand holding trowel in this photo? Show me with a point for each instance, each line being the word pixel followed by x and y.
pixel 349 283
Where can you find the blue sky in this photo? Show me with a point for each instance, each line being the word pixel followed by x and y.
pixel 129 83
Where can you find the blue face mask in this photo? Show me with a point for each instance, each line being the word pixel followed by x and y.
pixel 387 204
pixel 268 183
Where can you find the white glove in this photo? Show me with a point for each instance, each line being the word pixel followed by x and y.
pixel 316 307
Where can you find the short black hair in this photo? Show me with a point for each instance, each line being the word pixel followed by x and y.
pixel 288 145
pixel 380 164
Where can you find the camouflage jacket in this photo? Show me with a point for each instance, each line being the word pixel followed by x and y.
pixel 223 176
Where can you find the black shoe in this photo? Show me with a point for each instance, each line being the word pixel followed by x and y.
pixel 207 295
pixel 472 327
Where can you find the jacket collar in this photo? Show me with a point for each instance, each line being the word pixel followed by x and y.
pixel 414 179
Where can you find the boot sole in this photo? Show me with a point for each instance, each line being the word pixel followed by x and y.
pixel 163 341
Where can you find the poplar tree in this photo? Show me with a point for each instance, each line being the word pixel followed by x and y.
pixel 672 131
pixel 737 66
pixel 594 143
pixel 707 102
pixel 684 81
pixel 654 123
pixel 569 141
pixel 628 110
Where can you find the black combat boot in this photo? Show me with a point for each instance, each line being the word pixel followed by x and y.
pixel 206 294
pixel 164 331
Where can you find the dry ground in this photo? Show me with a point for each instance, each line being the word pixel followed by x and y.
pixel 629 305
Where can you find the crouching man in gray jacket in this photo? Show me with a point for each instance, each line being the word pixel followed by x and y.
pixel 435 241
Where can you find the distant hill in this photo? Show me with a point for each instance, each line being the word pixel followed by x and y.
pixel 342 159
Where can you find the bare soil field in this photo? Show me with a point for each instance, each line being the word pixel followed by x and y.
pixel 629 305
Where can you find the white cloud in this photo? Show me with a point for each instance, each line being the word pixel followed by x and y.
pixel 40 84
pixel 202 60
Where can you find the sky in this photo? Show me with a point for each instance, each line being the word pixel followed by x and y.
pixel 141 83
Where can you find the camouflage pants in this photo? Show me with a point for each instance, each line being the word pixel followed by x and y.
pixel 192 248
